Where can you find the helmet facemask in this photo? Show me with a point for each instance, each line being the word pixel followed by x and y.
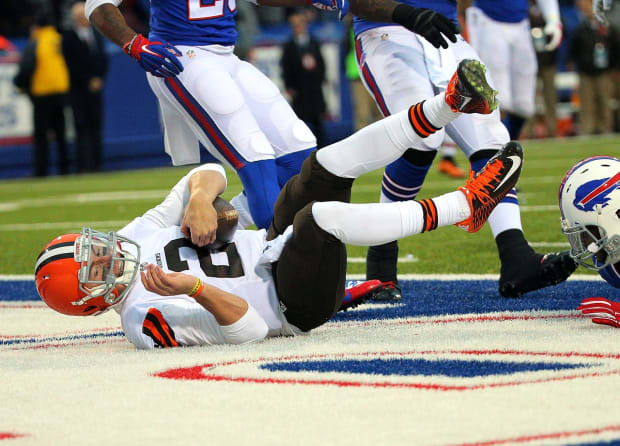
pixel 591 246
pixel 108 244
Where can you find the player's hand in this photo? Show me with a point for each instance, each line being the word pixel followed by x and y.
pixel 553 31
pixel 603 311
pixel 159 59
pixel 159 282
pixel 427 23
pixel 342 6
pixel 600 9
pixel 199 223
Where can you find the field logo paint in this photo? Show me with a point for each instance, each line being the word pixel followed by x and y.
pixel 441 370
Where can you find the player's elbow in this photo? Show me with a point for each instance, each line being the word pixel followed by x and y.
pixel 249 328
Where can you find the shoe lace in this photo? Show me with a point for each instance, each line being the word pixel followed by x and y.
pixel 483 183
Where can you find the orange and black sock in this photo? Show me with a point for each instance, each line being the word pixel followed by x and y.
pixel 420 122
pixel 430 217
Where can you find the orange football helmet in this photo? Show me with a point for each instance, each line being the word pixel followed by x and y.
pixel 62 272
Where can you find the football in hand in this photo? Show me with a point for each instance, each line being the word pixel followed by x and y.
pixel 227 217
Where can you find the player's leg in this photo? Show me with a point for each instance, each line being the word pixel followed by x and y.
pixel 219 117
pixel 522 269
pixel 498 55
pixel 394 72
pixel 310 274
pixel 523 67
pixel 290 137
pixel 448 165
pixel 332 169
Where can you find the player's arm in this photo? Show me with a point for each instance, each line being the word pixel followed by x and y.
pixel 239 322
pixel 199 223
pixel 425 22
pixel 159 59
pixel 190 193
pixel 553 25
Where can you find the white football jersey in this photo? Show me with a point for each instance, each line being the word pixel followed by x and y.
pixel 150 320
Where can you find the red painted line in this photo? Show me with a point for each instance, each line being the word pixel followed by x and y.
pixel 14 306
pixel 198 372
pixel 190 374
pixel 549 436
pixel 10 435
pixel 500 318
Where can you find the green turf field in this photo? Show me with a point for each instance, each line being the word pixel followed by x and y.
pixel 33 211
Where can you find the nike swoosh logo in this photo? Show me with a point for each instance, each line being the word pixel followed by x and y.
pixel 516 162
pixel 146 49
pixel 466 100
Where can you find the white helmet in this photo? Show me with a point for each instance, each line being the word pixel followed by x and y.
pixel 590 206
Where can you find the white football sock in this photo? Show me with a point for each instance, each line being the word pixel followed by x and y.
pixel 384 141
pixel 505 216
pixel 438 112
pixel 378 223
pixel 370 148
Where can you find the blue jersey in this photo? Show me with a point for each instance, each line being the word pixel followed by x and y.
pixel 194 22
pixel 611 274
pixel 445 7
pixel 509 11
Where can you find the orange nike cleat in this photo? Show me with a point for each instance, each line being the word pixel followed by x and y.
pixel 468 90
pixel 449 168
pixel 485 189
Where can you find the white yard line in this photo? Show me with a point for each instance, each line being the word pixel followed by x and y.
pixel 91 197
pixel 62 224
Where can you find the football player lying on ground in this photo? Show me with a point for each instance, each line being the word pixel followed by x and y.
pixel 590 206
pixel 259 284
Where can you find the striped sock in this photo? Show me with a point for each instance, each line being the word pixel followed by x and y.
pixel 429 216
pixel 420 122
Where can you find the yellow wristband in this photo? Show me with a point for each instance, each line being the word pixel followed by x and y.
pixel 194 290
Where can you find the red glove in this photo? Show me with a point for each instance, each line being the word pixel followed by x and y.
pixel 159 59
pixel 603 311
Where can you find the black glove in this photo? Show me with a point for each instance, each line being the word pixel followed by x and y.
pixel 427 23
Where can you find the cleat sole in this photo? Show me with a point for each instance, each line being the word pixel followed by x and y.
pixel 472 73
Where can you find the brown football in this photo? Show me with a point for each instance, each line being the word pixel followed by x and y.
pixel 227 217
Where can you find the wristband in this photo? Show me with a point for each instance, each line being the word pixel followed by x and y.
pixel 198 287
pixel 127 47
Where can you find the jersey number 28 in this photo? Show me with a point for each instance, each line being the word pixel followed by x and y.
pixel 205 9
pixel 175 263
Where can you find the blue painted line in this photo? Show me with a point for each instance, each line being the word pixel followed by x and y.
pixel 60 338
pixel 415 367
